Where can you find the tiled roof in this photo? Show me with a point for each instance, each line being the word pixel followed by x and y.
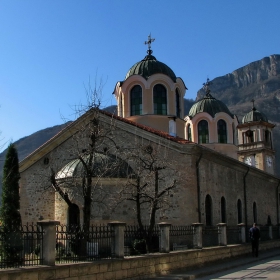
pixel 140 126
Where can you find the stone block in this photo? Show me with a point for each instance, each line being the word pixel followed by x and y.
pixel 87 277
pixel 16 276
pixel 109 275
pixel 117 265
pixel 31 275
pixel 131 272
pixel 93 268
pixel 4 276
pixel 126 264
pixel 103 267
pixel 164 259
pixel 121 274
pixel 83 270
pixel 134 263
pixel 46 274
pixel 74 270
pixel 62 272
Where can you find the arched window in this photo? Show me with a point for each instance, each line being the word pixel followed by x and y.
pixel 267 138
pixel 239 211
pixel 136 101
pixel 178 107
pixel 189 131
pixel 249 136
pixel 203 134
pixel 255 216
pixel 160 100
pixel 223 210
pixel 73 215
pixel 222 131
pixel 208 210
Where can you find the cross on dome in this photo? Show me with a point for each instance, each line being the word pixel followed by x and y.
pixel 206 86
pixel 253 101
pixel 149 42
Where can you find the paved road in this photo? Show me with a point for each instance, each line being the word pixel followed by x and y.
pixel 266 267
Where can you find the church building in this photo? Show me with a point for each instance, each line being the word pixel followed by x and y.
pixel 224 168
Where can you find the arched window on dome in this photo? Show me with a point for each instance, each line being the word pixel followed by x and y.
pixel 178 104
pixel 208 210
pixel 136 101
pixel 223 210
pixel 203 132
pixel 222 131
pixel 160 100
pixel 189 132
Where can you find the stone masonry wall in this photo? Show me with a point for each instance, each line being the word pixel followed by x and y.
pixel 133 267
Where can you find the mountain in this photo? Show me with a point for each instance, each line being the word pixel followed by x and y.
pixel 28 144
pixel 259 80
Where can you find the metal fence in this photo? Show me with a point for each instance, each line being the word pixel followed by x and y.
pixel 135 240
pixel 74 244
pixel 21 247
pixel 275 232
pixel 210 236
pixel 264 232
pixel 233 235
pixel 181 237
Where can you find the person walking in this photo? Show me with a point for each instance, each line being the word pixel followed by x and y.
pixel 254 234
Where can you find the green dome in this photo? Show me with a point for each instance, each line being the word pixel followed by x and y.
pixel 210 105
pixel 149 66
pixel 254 116
pixel 104 166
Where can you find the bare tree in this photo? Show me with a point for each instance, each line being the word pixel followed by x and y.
pixel 152 185
pixel 93 156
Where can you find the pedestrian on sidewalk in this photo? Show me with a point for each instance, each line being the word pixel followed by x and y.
pixel 254 234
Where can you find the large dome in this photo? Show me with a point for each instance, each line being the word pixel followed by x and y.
pixel 254 116
pixel 210 105
pixel 149 66
pixel 104 166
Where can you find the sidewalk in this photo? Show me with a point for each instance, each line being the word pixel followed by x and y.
pixel 212 268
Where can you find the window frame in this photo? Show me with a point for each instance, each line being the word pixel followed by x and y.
pixel 160 99
pixel 136 107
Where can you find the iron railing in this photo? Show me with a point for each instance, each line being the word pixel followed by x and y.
pixel 74 244
pixel 233 235
pixel 210 236
pixel 21 247
pixel 181 237
pixel 136 241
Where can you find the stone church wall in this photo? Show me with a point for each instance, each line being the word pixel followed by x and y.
pixel 199 172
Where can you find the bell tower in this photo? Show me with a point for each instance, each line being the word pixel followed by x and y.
pixel 255 143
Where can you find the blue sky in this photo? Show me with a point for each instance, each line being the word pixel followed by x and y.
pixel 50 49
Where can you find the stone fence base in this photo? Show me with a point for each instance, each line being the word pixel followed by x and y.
pixel 137 267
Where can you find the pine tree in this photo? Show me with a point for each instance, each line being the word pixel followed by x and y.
pixel 9 212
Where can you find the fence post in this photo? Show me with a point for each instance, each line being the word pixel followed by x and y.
pixel 242 231
pixel 118 240
pixel 222 234
pixel 197 237
pixel 164 246
pixel 47 252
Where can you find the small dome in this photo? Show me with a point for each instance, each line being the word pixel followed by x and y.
pixel 104 166
pixel 149 66
pixel 254 116
pixel 210 105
